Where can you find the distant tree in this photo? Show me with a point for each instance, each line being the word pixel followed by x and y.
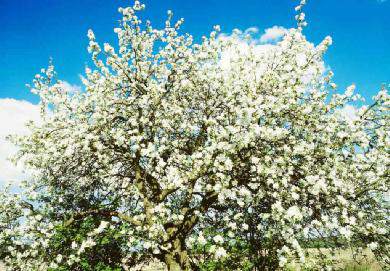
pixel 172 147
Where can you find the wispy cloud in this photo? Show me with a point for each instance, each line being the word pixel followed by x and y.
pixel 14 114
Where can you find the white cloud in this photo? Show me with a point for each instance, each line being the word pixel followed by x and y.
pixel 69 88
pixel 13 116
pixel 273 34
pixel 349 112
pixel 251 30
pixel 263 45
pixel 243 45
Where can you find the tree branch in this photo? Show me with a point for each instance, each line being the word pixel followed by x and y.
pixel 106 213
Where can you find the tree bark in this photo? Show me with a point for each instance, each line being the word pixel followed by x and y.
pixel 177 259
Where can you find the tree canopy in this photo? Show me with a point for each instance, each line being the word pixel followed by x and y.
pixel 230 148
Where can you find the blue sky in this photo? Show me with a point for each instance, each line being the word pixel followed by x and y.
pixel 34 30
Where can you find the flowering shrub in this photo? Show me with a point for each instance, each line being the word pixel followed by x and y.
pixel 225 146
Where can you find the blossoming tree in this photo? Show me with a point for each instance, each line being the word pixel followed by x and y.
pixel 173 145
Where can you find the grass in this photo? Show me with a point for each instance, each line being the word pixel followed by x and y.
pixel 361 267
pixel 344 260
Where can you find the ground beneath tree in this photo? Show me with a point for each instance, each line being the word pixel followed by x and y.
pixel 151 267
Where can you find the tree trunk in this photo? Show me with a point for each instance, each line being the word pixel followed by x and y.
pixel 177 259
